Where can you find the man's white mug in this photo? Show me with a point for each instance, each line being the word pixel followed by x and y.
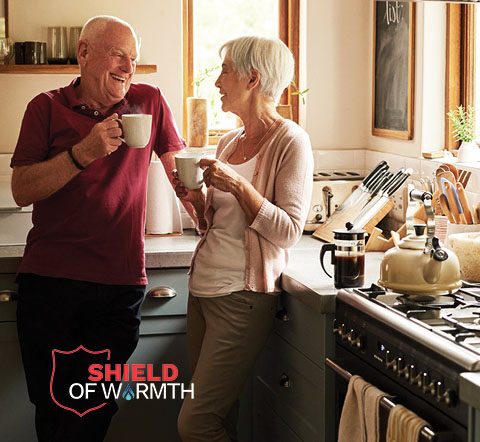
pixel 188 168
pixel 136 129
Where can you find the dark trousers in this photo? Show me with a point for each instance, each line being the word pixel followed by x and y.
pixel 56 313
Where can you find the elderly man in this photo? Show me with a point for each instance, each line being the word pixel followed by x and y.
pixel 82 278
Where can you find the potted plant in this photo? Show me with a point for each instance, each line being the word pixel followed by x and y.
pixel 197 111
pixel 463 122
pixel 285 110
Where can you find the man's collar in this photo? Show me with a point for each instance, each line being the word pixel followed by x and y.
pixel 75 103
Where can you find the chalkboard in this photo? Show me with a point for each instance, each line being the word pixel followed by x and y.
pixel 393 69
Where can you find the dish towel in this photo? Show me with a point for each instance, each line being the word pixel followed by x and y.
pixel 359 421
pixel 404 425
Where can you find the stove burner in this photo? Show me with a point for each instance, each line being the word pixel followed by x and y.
pixel 428 301
pixel 454 316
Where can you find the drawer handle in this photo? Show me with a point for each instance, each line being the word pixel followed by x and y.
pixel 285 381
pixel 7 295
pixel 282 315
pixel 161 292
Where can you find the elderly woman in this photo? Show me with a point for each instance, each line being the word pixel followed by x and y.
pixel 253 211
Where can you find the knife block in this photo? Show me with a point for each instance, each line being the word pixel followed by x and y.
pixel 339 219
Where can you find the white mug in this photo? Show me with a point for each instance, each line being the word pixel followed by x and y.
pixel 136 129
pixel 188 168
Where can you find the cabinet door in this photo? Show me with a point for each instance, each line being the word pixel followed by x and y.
pixel 17 421
pixel 293 387
pixel 307 330
pixel 149 420
pixel 269 427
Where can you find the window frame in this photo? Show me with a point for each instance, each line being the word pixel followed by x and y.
pixel 289 33
pixel 460 63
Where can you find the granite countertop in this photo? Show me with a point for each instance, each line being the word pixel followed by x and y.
pixel 303 277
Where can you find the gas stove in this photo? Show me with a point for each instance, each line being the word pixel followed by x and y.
pixel 412 348
pixel 454 317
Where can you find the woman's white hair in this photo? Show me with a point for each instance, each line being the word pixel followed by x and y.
pixel 269 56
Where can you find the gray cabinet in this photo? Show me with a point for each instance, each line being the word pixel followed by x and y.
pixel 291 386
pixel 16 411
pixel 162 341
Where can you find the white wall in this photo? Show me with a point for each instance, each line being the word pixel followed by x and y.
pixel 338 73
pixel 158 23
pixel 336 60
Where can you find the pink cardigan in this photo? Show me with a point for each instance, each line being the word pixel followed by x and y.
pixel 284 176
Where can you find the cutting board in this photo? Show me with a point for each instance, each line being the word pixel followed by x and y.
pixel 338 221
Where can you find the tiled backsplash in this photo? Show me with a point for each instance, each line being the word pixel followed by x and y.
pixel 425 168
pixel 367 159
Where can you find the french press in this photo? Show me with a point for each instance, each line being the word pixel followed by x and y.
pixel 348 257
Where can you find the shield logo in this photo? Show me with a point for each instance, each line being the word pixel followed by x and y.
pixel 70 368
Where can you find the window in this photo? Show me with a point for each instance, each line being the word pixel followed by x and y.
pixel 210 23
pixel 461 71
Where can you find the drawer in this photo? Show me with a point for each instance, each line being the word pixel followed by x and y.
pixel 174 278
pixel 307 330
pixel 268 427
pixel 293 386
pixel 163 325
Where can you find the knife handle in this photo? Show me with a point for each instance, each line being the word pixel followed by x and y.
pixel 462 196
pixel 445 208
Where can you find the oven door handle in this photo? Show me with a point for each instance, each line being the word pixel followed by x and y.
pixel 426 435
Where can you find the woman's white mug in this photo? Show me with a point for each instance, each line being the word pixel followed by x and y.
pixel 188 168
pixel 136 129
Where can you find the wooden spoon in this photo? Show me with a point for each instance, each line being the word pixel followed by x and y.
pixel 449 176
pixel 452 169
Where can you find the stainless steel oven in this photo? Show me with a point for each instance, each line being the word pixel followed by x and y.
pixel 417 367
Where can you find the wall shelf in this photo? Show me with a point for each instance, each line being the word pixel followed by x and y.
pixel 60 69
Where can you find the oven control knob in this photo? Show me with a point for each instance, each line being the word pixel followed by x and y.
pixel 444 395
pixel 428 387
pixel 343 332
pixel 402 368
pixel 354 339
pixel 390 362
pixel 413 377
pixel 340 330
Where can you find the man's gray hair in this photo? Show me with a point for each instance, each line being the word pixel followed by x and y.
pixel 96 27
pixel 269 56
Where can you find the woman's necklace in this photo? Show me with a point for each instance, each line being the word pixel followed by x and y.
pixel 264 136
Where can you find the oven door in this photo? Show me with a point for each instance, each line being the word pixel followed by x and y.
pixel 347 364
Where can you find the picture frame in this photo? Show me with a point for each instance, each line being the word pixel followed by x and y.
pixel 393 69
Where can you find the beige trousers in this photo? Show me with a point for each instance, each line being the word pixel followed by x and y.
pixel 225 335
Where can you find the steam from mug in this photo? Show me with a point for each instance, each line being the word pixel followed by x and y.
pixel 136 129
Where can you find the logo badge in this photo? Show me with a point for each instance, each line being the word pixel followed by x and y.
pixel 69 368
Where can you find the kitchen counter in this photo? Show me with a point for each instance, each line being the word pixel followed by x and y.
pixel 303 277
pixel 160 252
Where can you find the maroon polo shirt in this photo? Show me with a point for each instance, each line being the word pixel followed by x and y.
pixel 92 229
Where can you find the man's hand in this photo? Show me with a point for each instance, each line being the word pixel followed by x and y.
pixel 102 140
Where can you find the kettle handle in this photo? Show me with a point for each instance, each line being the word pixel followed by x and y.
pixel 330 247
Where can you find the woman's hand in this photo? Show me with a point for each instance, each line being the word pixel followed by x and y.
pixel 189 195
pixel 219 175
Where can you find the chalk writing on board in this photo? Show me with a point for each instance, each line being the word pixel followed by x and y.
pixel 392 66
